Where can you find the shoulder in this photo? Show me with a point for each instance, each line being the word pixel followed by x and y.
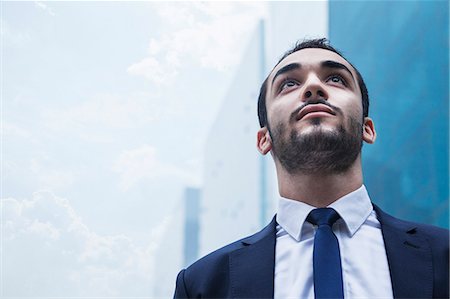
pixel 209 276
pixel 437 236
pixel 219 257
pixel 211 273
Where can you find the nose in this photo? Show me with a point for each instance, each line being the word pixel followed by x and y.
pixel 313 89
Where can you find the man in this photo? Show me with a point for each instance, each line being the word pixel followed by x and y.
pixel 327 240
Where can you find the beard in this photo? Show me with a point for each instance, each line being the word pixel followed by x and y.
pixel 318 151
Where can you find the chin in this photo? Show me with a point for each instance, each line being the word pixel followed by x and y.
pixel 319 127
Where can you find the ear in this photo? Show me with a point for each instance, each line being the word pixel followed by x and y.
pixel 369 133
pixel 264 142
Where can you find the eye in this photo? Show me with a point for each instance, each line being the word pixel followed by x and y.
pixel 337 79
pixel 288 83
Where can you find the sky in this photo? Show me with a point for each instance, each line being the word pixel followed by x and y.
pixel 106 107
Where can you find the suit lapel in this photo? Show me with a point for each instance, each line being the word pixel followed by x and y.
pixel 409 258
pixel 252 267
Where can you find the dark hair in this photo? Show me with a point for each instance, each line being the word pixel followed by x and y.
pixel 321 43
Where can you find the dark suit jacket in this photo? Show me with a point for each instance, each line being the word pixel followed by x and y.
pixel 418 257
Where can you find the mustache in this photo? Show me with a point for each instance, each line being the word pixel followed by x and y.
pixel 335 109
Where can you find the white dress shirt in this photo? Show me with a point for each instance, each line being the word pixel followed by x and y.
pixel 365 270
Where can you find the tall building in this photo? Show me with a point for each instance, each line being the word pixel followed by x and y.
pixel 191 225
pixel 177 245
pixel 230 202
pixel 168 258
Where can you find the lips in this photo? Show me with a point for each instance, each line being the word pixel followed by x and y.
pixel 315 108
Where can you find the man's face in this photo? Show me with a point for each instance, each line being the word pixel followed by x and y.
pixel 314 112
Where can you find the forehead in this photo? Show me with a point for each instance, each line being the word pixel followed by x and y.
pixel 311 57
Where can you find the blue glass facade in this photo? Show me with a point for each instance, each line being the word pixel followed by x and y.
pixel 402 50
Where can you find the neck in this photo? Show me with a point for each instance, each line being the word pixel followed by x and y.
pixel 319 189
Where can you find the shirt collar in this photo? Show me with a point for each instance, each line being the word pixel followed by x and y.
pixel 354 208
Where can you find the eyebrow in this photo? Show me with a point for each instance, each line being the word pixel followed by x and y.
pixel 327 64
pixel 285 69
pixel 336 65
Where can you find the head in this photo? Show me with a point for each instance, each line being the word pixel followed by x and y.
pixel 313 110
pixel 321 43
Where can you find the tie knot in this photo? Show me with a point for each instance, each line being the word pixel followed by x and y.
pixel 321 216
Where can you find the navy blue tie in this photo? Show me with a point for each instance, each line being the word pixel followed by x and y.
pixel 326 257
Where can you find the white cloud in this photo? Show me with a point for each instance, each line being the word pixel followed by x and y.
pixel 11 37
pixel 137 165
pixel 51 252
pixel 90 118
pixel 154 47
pixel 48 178
pixel 45 8
pixel 44 229
pixel 153 70
pixel 13 130
pixel 209 34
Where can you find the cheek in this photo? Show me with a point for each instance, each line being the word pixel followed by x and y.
pixel 277 118
pixel 284 105
pixel 352 108
pixel 273 113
